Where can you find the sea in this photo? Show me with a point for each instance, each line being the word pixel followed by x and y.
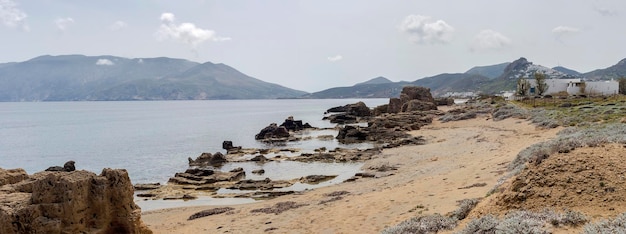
pixel 153 140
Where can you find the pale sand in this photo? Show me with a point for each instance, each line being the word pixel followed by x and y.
pixel 457 154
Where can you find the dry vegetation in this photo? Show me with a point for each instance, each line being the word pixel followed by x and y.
pixel 547 174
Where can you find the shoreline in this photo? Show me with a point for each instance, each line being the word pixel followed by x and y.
pixel 427 180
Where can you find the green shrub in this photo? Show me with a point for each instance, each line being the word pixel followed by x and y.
pixel 425 224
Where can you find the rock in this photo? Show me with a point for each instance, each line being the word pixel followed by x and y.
pixel 12 176
pixel 272 131
pixel 316 179
pixel 149 186
pixel 258 172
pixel 351 134
pixel 71 202
pixel 408 94
pixel 265 184
pixel 204 177
pixel 295 125
pixel 379 110
pixel 259 158
pixel 228 146
pixel 418 105
pixel 444 101
pixel 342 118
pixel 208 159
pixel 68 166
pixel 358 109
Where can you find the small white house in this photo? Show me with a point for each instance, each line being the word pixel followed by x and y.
pixel 576 86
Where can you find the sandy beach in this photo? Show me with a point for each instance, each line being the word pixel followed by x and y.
pixel 462 159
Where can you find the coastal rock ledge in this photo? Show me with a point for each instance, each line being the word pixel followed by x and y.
pixel 68 202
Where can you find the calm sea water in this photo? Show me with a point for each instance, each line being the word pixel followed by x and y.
pixel 152 140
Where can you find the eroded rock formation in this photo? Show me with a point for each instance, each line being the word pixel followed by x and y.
pixel 68 202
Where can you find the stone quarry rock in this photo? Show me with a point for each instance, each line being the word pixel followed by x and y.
pixel 71 202
pixel 208 159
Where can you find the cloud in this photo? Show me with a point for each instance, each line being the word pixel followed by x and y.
pixel 11 16
pixel 489 40
pixel 605 11
pixel 63 23
pixel 186 33
pixel 424 30
pixel 335 58
pixel 104 62
pixel 118 25
pixel 562 30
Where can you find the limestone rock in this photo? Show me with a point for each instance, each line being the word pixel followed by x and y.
pixel 71 202
pixel 208 159
pixel 12 176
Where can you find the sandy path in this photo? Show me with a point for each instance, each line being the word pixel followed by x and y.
pixel 457 154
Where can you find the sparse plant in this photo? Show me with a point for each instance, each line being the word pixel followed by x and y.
pixel 541 86
pixel 465 206
pixel 616 225
pixel 425 224
pixel 483 225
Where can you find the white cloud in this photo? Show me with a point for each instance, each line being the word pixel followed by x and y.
pixel 11 16
pixel 562 30
pixel 118 25
pixel 424 30
pixel 186 33
pixel 104 62
pixel 63 23
pixel 335 58
pixel 489 40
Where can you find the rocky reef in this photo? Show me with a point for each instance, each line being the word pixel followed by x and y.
pixel 68 202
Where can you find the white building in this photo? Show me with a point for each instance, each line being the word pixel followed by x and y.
pixel 576 86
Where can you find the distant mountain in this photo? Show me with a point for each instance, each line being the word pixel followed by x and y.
pixel 378 87
pixel 458 82
pixel 613 72
pixel 567 71
pixel 377 80
pixel 79 78
pixel 492 71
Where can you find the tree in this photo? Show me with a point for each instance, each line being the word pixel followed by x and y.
pixel 523 86
pixel 541 86
pixel 622 85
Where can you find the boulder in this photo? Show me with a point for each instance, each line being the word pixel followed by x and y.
pixel 358 109
pixel 316 179
pixel 418 105
pixel 412 94
pixel 71 202
pixel 349 134
pixel 444 101
pixel 208 159
pixel 272 131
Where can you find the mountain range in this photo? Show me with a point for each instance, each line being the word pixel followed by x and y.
pixel 107 78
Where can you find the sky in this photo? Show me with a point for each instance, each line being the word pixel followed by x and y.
pixel 312 45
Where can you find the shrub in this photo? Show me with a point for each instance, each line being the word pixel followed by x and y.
pixel 425 224
pixel 523 222
pixel 465 206
pixel 509 111
pixel 617 225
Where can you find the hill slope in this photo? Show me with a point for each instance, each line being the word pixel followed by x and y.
pixel 613 72
pixel 79 78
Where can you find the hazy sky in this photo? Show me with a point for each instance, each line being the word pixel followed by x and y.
pixel 318 44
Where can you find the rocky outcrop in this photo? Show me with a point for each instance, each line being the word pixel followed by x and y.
pixel 295 125
pixel 12 176
pixel 349 113
pixel 69 202
pixel 208 159
pixel 444 101
pixel 273 131
pixel 412 98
